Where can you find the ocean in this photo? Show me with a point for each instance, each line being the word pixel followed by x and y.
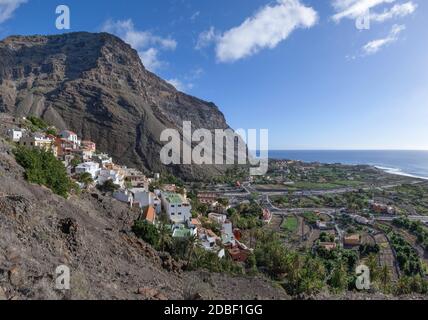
pixel 406 163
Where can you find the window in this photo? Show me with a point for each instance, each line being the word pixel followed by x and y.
pixel 172 206
pixel 179 213
pixel 179 205
pixel 172 213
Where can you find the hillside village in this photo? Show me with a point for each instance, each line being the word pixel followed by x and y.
pixel 89 168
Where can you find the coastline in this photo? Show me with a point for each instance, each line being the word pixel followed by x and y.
pixel 399 172
pixel 412 164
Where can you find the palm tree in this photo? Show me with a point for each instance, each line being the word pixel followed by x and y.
pixel 191 243
pixel 372 264
pixel 86 178
pixel 385 278
pixel 165 237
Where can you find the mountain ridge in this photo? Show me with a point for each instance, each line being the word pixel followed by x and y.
pixel 96 85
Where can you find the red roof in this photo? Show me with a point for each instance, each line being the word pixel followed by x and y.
pixel 196 222
pixel 150 214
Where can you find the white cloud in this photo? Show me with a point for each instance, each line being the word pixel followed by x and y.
pixel 397 11
pixel 179 85
pixel 206 38
pixel 353 9
pixel 195 15
pixel 266 29
pixel 195 74
pixel 374 46
pixel 146 43
pixel 188 80
pixel 8 7
pixel 150 59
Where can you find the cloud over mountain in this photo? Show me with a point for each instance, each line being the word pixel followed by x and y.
pixel 268 27
pixel 146 43
pixel 8 7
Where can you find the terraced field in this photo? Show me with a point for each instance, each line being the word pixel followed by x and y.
pixel 386 255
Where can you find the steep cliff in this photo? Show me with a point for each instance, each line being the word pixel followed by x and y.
pixel 97 86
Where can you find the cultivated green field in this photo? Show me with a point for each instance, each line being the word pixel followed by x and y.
pixel 290 224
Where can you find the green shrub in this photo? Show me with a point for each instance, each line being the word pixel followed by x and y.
pixel 37 123
pixel 43 168
pixel 108 186
pixel 146 231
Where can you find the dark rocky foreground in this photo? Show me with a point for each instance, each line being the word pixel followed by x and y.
pixel 90 234
pixel 96 85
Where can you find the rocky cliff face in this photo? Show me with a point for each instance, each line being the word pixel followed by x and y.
pixel 96 85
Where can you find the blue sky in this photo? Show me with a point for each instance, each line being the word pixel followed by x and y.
pixel 299 68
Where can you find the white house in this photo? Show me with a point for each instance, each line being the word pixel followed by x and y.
pixel 112 175
pixel 38 141
pixel 86 154
pixel 208 239
pixel 103 159
pixel 70 136
pixel 157 203
pixel 89 167
pixel 181 231
pixel 145 198
pixel 15 134
pixel 227 233
pixel 124 195
pixel 322 225
pixel 361 220
pixel 218 218
pixel 142 196
pixel 177 207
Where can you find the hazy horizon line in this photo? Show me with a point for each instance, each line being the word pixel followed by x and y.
pixel 315 149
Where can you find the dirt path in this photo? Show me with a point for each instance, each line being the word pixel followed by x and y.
pixel 386 255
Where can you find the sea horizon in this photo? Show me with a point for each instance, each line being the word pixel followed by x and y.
pixel 411 163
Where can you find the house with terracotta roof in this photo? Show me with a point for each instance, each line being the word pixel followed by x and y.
pixel 150 215
pixel 238 253
pixel 352 240
pixel 208 198
pixel 136 178
pixel 169 188
pixel 328 245
pixel 195 222
pixel 88 145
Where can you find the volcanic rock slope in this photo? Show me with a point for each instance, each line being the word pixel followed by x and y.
pixel 90 233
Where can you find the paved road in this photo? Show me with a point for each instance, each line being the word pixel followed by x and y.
pixel 423 219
